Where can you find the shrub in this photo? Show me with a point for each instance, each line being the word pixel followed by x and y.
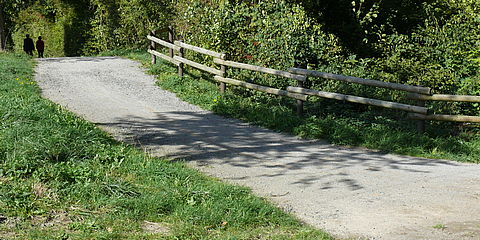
pixel 39 21
pixel 442 54
pixel 124 23
pixel 275 34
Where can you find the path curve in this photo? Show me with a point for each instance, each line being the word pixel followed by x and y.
pixel 351 193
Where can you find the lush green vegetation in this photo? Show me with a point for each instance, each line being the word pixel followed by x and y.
pixel 62 178
pixel 434 43
pixel 80 27
pixel 428 43
pixel 339 123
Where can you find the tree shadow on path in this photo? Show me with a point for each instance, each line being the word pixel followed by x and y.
pixel 208 139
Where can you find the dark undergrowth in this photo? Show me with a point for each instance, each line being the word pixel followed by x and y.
pixel 62 178
pixel 338 122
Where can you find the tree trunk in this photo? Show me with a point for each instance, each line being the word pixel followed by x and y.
pixel 3 31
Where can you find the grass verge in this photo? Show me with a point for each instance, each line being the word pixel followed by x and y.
pixel 62 178
pixel 339 123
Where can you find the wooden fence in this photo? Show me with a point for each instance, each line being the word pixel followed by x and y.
pixel 417 93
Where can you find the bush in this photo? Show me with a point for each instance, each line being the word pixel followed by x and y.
pixel 38 21
pixel 274 34
pixel 124 23
pixel 442 54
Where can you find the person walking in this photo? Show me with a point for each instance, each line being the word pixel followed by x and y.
pixel 40 46
pixel 28 46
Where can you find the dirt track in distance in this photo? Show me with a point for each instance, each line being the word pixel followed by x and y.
pixel 351 193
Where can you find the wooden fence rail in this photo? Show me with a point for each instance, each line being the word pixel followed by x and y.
pixel 443 97
pixel 417 93
pixel 164 43
pixel 446 98
pixel 164 57
pixel 448 118
pixel 200 50
pixel 198 66
pixel 368 82
pixel 420 94
pixel 261 88
pixel 361 100
pixel 260 69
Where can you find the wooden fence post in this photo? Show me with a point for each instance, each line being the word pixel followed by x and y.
pixel 300 103
pixel 180 66
pixel 421 123
pixel 170 40
pixel 223 68
pixel 153 46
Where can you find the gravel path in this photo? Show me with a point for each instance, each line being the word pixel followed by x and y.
pixel 351 193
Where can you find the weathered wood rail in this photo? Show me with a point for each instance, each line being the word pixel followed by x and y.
pixel 261 88
pixel 445 98
pixel 260 69
pixel 416 93
pixel 361 100
pixel 368 82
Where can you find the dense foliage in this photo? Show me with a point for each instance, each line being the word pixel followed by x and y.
pixel 74 28
pixel 428 43
pixel 125 23
pixel 442 54
pixel 274 34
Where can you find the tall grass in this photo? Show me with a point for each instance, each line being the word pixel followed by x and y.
pixel 62 178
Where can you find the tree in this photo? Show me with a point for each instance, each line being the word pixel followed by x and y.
pixel 8 11
pixel 3 33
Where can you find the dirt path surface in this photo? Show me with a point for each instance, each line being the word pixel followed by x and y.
pixel 351 193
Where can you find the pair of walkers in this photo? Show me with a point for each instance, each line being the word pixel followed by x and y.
pixel 29 47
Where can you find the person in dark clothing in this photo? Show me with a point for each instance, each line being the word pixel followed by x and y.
pixel 40 47
pixel 28 46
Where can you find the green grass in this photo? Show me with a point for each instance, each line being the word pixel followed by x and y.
pixel 62 178
pixel 339 123
pixel 439 227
